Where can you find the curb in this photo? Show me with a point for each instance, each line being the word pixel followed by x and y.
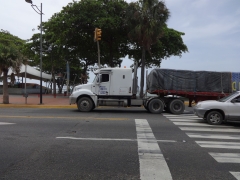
pixel 37 106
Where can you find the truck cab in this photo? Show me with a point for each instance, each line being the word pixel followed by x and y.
pixel 109 84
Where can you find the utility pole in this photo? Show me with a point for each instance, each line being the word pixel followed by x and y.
pixel 39 11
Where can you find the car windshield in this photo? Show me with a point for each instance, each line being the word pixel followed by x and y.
pixel 224 99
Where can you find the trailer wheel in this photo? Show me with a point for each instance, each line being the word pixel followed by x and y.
pixel 214 118
pixel 155 106
pixel 85 104
pixel 176 106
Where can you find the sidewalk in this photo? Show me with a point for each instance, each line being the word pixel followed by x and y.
pixel 33 101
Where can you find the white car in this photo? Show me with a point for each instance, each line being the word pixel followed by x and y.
pixel 217 111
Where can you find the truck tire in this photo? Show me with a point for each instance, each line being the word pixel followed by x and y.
pixel 155 106
pixel 85 104
pixel 176 106
pixel 214 118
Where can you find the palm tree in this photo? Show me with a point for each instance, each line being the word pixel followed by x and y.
pixel 10 57
pixel 146 20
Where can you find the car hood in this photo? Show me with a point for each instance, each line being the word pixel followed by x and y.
pixel 209 104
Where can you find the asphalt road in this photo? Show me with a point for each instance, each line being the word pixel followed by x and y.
pixel 116 143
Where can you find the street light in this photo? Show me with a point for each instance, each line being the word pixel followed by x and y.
pixel 39 11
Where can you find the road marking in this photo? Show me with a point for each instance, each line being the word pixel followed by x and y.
pixel 197 124
pixel 5 123
pixel 62 117
pixel 182 115
pixel 217 144
pixel 236 175
pixel 107 139
pixel 213 136
pixel 226 157
pixel 152 162
pixel 210 129
pixel 186 120
pixel 187 117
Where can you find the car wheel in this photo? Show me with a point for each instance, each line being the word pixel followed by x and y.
pixel 155 106
pixel 214 118
pixel 85 104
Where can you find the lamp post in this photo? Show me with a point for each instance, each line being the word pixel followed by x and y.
pixel 39 11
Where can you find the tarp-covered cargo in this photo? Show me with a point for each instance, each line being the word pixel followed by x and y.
pixel 192 81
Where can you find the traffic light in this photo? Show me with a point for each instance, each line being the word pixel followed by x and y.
pixel 29 1
pixel 97 34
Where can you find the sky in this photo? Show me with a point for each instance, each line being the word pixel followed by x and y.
pixel 211 27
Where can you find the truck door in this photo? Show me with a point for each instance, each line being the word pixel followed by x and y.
pixel 104 85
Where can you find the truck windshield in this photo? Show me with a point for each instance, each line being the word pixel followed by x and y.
pixel 230 96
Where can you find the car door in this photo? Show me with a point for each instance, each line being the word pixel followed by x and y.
pixel 234 109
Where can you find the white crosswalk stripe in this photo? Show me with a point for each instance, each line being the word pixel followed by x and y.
pixel 196 124
pixel 191 124
pixel 183 120
pixel 167 114
pixel 236 174
pixel 179 118
pixel 213 136
pixel 217 144
pixel 226 157
pixel 209 129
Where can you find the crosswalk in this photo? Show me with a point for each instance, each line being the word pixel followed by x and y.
pixel 197 128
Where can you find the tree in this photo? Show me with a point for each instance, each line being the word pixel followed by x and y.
pixel 170 44
pixel 10 57
pixel 77 22
pixel 71 33
pixel 146 20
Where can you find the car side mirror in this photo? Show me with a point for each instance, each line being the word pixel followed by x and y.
pixel 234 100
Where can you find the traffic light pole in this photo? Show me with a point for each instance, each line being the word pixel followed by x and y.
pixel 97 38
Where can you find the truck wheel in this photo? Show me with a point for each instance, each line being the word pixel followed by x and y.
pixel 85 104
pixel 214 118
pixel 176 106
pixel 155 106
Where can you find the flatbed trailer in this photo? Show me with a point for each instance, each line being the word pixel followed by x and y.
pixel 191 96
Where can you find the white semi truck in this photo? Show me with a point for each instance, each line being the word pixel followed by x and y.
pixel 116 86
